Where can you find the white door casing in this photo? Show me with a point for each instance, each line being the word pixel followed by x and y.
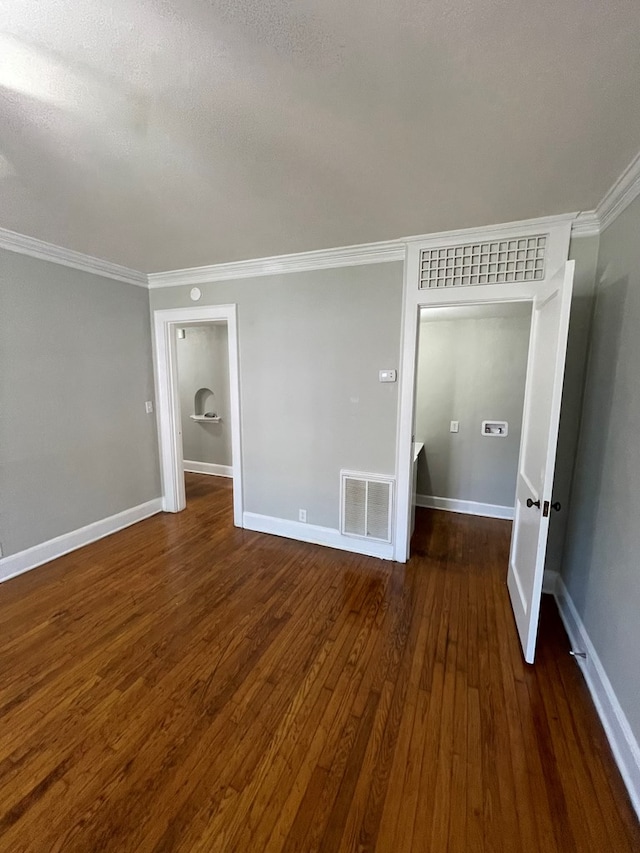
pixel 543 396
pixel 165 323
pixel 549 295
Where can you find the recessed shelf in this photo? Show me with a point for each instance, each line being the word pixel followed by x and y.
pixel 204 407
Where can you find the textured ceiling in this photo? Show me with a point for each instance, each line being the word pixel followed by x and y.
pixel 163 134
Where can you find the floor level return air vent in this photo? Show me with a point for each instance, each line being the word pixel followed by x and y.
pixel 366 506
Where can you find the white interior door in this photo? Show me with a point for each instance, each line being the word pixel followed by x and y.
pixel 545 374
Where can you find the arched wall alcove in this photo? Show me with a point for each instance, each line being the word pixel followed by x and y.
pixel 204 401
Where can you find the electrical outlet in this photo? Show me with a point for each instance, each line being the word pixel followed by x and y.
pixel 148 407
pixel 302 515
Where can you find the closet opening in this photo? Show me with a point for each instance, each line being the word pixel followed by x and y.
pixel 471 373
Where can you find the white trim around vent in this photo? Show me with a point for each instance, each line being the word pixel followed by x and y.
pixel 480 262
pixel 316 535
pixel 548 226
pixel 369 482
pixel 31 558
pixel 467 507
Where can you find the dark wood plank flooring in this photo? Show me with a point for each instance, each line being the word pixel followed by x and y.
pixel 186 686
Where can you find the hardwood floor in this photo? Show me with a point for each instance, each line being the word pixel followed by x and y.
pixel 186 686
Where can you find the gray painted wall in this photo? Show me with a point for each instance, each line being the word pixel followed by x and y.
pixel 76 445
pixel 203 362
pixel 585 253
pixel 471 370
pixel 311 345
pixel 601 565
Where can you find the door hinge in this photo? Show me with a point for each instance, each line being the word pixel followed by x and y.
pixel 545 509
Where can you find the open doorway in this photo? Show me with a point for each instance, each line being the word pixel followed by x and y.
pixel 201 415
pixel 470 386
pixel 202 351
pixel 520 262
pixel 205 406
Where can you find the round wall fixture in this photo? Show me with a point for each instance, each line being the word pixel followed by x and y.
pixel 195 294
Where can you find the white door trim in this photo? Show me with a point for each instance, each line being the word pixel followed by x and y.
pixel 558 236
pixel 165 322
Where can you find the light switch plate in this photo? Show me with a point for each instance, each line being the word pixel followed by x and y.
pixel 148 407
pixel 454 426
pixel 387 375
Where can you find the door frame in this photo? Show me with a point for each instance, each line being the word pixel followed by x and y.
pixel 165 323
pixel 558 233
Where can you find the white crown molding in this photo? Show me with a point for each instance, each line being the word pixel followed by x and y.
pixel 13 242
pixel 366 253
pixel 625 190
pixel 347 256
pixel 484 232
pixel 586 224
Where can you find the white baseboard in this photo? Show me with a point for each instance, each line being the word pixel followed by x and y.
pixel 316 535
pixel 23 561
pixel 468 507
pixel 207 468
pixel 624 745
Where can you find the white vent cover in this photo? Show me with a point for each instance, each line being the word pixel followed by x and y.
pixel 496 262
pixel 366 506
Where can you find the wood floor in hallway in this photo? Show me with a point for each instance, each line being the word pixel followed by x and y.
pixel 187 686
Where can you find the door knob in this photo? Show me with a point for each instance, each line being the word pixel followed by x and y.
pixel 531 503
pixel 557 506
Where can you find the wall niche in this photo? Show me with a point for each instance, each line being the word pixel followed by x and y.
pixel 204 407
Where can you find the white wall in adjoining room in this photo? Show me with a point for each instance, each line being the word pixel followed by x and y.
pixel 203 362
pixel 472 364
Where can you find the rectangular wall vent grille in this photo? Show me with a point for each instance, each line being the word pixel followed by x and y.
pixel 494 262
pixel 367 503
